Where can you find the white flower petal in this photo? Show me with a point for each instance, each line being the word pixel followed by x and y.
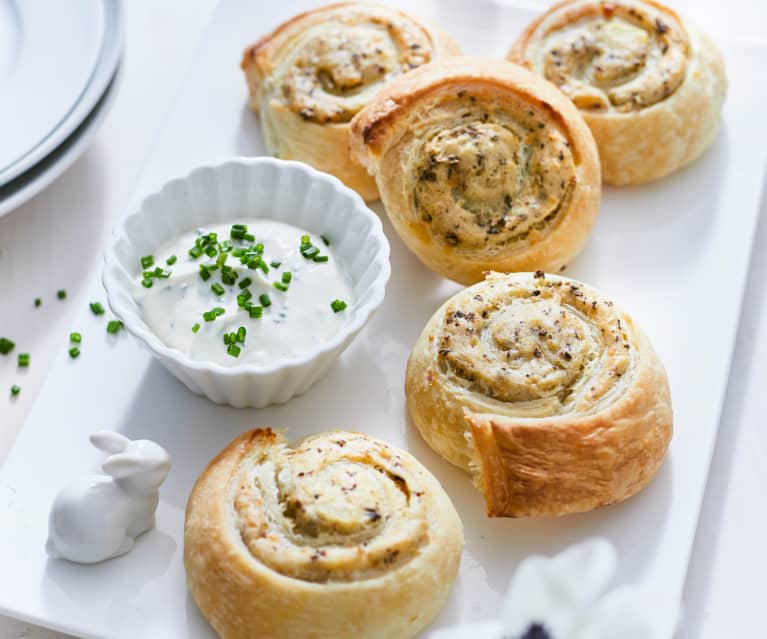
pixel 628 612
pixel 492 629
pixel 554 591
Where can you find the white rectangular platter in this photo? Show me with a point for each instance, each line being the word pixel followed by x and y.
pixel 675 254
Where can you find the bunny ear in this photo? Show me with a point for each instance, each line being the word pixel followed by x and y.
pixel 121 465
pixel 109 441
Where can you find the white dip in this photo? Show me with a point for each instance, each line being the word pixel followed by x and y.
pixel 296 321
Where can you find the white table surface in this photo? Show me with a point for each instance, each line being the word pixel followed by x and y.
pixel 56 238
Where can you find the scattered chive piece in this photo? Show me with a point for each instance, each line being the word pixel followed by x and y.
pixel 75 338
pixel 147 283
pixel 306 240
pixel 275 264
pixel 204 272
pixel 209 316
pixel 221 259
pixel 196 327
pixel 265 299
pixel 225 246
pixel 23 360
pixel 309 252
pixel 195 251
pixel 38 302
pixel 6 345
pixel 233 350
pixel 15 390
pixel 74 352
pixel 227 339
pixel 338 305
pixel 245 283
pixel 96 308
pixel 256 311
pixel 61 294
pixel 280 286
pixel 287 276
pixel 243 297
pixel 217 288
pixel 241 333
pixel 210 250
pixel 259 248
pixel 320 258
pixel 326 240
pixel 171 260
pixel 147 261
pixel 113 326
pixel 228 275
pixel 249 237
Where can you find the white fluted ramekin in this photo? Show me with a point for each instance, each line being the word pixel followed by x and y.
pixel 236 190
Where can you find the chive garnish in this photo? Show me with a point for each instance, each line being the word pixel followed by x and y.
pixel 320 258
pixel 234 350
pixel 6 345
pixel 171 260
pixel 204 272
pixel 75 338
pixel 196 327
pixel 147 283
pixel 210 251
pixel 242 298
pixel 249 237
pixel 23 360
pixel 147 261
pixel 38 302
pixel 275 264
pixel 96 308
pixel 241 333
pixel 217 288
pixel 280 286
pixel 287 276
pixel 306 240
pixel 309 251
pixel 245 282
pixel 255 311
pixel 209 316
pixel 227 339
pixel 338 305
pixel 74 352
pixel 225 246
pixel 195 251
pixel 265 299
pixel 113 326
pixel 61 294
pixel 15 390
pixel 326 240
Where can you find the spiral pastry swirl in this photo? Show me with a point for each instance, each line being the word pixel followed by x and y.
pixel 481 165
pixel 310 76
pixel 544 390
pixel 298 541
pixel 649 85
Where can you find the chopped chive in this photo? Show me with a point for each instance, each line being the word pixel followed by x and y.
pixel 218 310
pixel 227 339
pixel 259 248
pixel 338 305
pixel 275 264
pixel 326 240
pixel 217 288
pixel 241 333
pixel 195 251
pixel 229 276
pixel 306 240
pixel 265 299
pixel 23 360
pixel 74 352
pixel 243 297
pixel 237 234
pixel 320 258
pixel 6 345
pixel 280 286
pixel 245 282
pixel 96 308
pixel 210 251
pixel 113 326
pixel 234 350
pixel 171 260
pixel 225 246
pixel 196 327
pixel 75 338
pixel 38 302
pixel 61 294
pixel 240 227
pixel 147 261
pixel 249 237
pixel 204 272
pixel 256 311
pixel 221 259
pixel 209 316
pixel 287 276
pixel 309 252
pixel 15 390
pixel 147 283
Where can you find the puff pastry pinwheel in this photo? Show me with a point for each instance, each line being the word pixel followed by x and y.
pixel 312 74
pixel 546 392
pixel 481 165
pixel 649 84
pixel 339 535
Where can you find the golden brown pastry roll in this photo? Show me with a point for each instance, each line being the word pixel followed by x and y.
pixel 545 391
pixel 312 74
pixel 339 535
pixel 481 166
pixel 649 84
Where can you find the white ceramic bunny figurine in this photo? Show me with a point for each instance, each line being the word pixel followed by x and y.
pixel 99 517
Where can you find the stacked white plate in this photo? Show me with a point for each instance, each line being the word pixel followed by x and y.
pixel 59 63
